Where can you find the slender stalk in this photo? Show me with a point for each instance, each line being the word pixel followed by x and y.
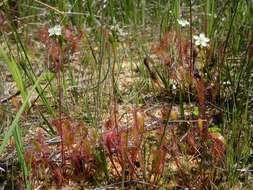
pixel 191 47
pixel 60 67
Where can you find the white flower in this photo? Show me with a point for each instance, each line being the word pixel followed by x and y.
pixel 174 87
pixel 118 30
pixel 56 30
pixel 104 3
pixel 2 170
pixel 201 40
pixel 227 83
pixel 183 22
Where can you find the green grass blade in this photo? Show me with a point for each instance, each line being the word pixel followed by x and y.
pixel 9 133
pixel 15 72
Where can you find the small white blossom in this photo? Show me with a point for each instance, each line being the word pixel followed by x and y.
pixel 227 83
pixel 122 33
pixel 201 40
pixel 104 3
pixel 174 87
pixel 183 22
pixel 119 31
pixel 2 170
pixel 56 30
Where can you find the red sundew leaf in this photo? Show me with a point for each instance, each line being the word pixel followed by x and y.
pixel 133 152
pixel 80 129
pixel 72 39
pixel 2 18
pixel 68 138
pixel 68 34
pixel 162 49
pixel 140 122
pixel 109 124
pixel 65 129
pixel 251 50
pixel 59 124
pixel 166 113
pixel 200 87
pixel 164 44
pixel 138 129
pixel 190 140
pixel 76 161
pixel 123 141
pixel 29 158
pixel 68 133
pixel 74 47
pixel 16 103
pixel 87 149
pixel 183 48
pixel 57 174
pixel 43 35
pixel 54 52
pixel 111 141
pixel 217 147
pixel 158 160
pixel 212 91
pixel 78 37
pixel 39 144
pixel 36 163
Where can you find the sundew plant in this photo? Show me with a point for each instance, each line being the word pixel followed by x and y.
pixel 109 94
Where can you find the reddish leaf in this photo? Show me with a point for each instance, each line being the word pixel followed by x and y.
pixel 111 140
pixel 217 147
pixel 158 161
pixel 43 36
pixel 200 88
pixel 57 174
pixel 109 124
pixel 68 34
pixel 251 50
pixel 190 140
pixel 2 18
pixel 72 39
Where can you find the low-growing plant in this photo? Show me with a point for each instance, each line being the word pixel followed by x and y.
pixel 80 161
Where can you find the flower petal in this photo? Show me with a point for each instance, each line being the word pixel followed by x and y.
pixel 195 37
pixel 202 35
pixel 197 42
pixel 203 44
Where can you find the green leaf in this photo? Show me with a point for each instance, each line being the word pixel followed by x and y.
pixel 196 111
pixel 9 132
pixel 15 72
